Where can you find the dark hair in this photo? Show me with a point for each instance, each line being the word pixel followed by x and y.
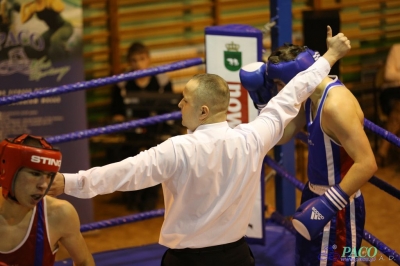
pixel 136 48
pixel 32 142
pixel 285 53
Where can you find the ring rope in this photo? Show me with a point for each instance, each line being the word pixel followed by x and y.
pixel 392 138
pixel 279 219
pixel 101 81
pixel 271 162
pixel 114 128
pixel 122 220
pixel 385 187
pixel 388 188
pixel 390 253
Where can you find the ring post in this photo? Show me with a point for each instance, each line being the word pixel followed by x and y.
pixel 285 193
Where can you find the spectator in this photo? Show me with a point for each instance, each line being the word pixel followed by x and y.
pixel 390 100
pixel 142 138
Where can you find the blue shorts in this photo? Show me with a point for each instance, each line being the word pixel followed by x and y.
pixel 344 232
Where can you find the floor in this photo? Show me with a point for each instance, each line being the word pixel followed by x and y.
pixel 383 216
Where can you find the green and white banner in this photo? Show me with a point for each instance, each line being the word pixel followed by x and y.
pixel 228 48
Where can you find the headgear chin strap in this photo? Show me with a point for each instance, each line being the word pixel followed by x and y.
pixel 286 70
pixel 14 155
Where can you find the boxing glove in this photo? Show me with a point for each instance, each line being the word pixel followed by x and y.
pixel 254 80
pixel 312 216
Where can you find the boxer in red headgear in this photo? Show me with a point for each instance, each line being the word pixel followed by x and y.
pixel 32 223
pixel 15 155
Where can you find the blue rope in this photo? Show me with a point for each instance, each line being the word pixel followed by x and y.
pixel 390 253
pixel 279 219
pixel 101 81
pixel 122 220
pixel 282 172
pixel 114 128
pixel 392 138
pixel 391 190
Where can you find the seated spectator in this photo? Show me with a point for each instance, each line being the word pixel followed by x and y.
pixel 390 100
pixel 138 58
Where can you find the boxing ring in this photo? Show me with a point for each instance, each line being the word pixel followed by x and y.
pixel 278 247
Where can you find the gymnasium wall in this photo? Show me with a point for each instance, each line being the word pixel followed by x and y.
pixel 174 30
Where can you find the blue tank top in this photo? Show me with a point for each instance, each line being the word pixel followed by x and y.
pixel 328 162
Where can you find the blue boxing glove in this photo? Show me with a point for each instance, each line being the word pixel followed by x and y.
pixel 260 88
pixel 312 216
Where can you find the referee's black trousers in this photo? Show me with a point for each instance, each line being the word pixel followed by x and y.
pixel 232 254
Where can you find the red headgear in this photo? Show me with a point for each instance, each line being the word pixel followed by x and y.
pixel 14 155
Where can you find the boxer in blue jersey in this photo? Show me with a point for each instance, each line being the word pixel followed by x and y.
pixel 330 220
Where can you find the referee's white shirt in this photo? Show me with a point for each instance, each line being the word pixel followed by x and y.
pixel 210 176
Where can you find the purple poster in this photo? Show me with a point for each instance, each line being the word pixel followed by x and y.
pixel 40 48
